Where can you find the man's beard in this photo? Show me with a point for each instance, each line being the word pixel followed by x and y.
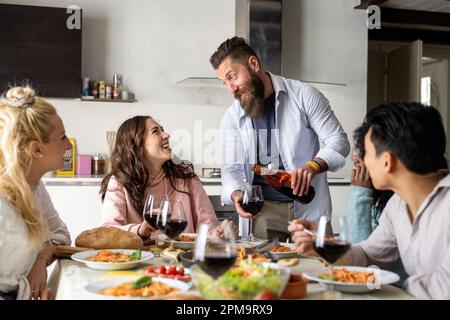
pixel 253 101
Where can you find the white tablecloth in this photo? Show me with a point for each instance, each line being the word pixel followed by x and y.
pixel 68 279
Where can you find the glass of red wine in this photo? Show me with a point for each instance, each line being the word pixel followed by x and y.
pixel 215 255
pixel 172 220
pixel 332 248
pixel 252 202
pixel 152 210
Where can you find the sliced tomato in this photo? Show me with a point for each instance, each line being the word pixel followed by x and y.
pixel 149 270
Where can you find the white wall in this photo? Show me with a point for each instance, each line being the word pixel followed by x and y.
pixel 155 43
pixel 326 41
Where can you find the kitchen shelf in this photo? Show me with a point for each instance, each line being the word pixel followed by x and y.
pixel 109 100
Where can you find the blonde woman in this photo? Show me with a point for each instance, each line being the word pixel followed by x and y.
pixel 32 142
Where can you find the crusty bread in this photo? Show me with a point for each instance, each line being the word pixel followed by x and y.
pixel 108 238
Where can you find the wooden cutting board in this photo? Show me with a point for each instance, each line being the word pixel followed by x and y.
pixel 65 252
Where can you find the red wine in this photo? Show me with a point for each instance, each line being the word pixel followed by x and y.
pixel 281 181
pixel 332 250
pixel 152 220
pixel 216 264
pixel 253 207
pixel 175 227
pixel 306 198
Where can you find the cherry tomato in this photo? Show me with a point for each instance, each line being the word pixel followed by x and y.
pixel 180 271
pixel 172 270
pixel 161 270
pixel 150 270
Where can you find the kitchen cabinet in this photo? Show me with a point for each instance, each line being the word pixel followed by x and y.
pixel 340 194
pixel 78 206
pixel 78 201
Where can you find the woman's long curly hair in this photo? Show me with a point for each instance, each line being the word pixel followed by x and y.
pixel 127 163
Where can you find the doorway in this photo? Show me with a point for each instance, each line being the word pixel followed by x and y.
pixel 415 71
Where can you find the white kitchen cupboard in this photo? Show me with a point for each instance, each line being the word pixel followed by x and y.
pixel 78 206
pixel 340 195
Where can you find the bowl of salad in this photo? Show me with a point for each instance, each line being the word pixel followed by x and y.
pixel 246 281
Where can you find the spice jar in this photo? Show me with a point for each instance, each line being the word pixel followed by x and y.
pixel 98 164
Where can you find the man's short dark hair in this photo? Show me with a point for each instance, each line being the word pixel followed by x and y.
pixel 236 48
pixel 412 132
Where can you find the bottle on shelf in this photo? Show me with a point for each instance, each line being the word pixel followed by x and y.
pixel 101 90
pixel 281 181
pixel 116 86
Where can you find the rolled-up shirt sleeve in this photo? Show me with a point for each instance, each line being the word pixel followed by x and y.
pixel 327 127
pixel 233 159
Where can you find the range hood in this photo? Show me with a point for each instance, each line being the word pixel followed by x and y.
pixel 259 22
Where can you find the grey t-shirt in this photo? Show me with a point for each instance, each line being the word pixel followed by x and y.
pixel 267 149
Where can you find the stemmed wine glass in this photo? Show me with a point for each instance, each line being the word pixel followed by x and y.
pixel 215 255
pixel 252 202
pixel 173 219
pixel 331 249
pixel 152 210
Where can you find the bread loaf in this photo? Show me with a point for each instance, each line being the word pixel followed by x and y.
pixel 108 238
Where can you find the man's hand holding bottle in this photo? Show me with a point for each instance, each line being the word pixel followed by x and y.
pixel 302 177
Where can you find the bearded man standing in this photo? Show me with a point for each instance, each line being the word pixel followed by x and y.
pixel 279 121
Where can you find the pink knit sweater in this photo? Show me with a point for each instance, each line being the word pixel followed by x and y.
pixel 117 210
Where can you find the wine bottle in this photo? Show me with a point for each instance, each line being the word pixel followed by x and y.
pixel 281 181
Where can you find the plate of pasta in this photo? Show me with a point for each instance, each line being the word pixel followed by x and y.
pixel 127 288
pixel 184 241
pixel 354 279
pixel 112 259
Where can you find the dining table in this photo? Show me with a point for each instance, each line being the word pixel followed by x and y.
pixel 68 279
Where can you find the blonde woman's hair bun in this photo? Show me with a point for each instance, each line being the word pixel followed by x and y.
pixel 20 97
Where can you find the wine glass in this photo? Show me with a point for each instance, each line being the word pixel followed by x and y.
pixel 152 211
pixel 215 255
pixel 331 249
pixel 252 202
pixel 172 220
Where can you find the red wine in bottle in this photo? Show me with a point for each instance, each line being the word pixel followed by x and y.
pixel 281 181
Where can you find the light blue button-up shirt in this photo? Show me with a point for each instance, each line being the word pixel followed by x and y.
pixel 303 118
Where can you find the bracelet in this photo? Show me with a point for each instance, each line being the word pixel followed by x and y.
pixel 314 166
pixel 322 169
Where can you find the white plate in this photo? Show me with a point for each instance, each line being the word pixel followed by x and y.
pixel 94 288
pixel 247 244
pixel 288 254
pixel 84 255
pixel 383 277
pixel 180 244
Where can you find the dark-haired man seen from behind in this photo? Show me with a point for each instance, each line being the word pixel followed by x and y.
pixel 279 121
pixel 405 153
